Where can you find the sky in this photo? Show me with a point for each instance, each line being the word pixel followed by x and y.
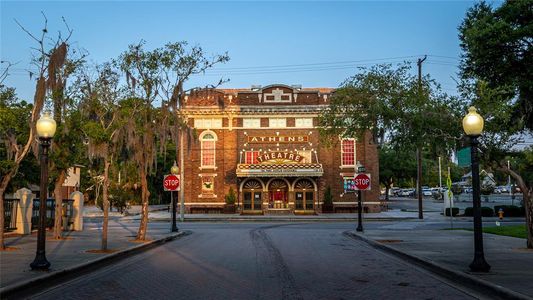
pixel 314 44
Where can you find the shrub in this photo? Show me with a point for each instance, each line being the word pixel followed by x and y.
pixel 455 211
pixel 457 189
pixel 230 197
pixel 328 197
pixel 510 210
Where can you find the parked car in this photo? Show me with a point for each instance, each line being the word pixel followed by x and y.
pixel 426 192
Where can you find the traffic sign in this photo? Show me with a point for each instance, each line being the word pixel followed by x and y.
pixel 362 181
pixel 171 182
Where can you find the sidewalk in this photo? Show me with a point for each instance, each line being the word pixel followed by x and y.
pixel 382 216
pixel 512 263
pixel 70 252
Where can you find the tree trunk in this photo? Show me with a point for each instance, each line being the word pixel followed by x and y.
pixel 3 187
pixel 105 204
pixel 419 181
pixel 58 195
pixel 527 195
pixel 528 205
pixel 141 234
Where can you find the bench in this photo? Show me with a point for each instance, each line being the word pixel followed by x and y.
pixel 207 210
pixel 349 209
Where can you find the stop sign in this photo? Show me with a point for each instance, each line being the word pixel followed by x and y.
pixel 362 181
pixel 171 182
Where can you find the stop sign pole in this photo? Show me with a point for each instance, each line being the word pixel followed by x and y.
pixel 362 182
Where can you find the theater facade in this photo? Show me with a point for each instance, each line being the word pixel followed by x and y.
pixel 264 143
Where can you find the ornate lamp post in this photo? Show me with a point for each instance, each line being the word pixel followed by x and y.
pixel 46 128
pixel 175 170
pixel 360 169
pixel 473 127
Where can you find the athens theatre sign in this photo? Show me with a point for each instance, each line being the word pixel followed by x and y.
pixel 276 155
pixel 278 139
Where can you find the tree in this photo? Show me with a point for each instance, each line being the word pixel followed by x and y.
pixel 497 78
pixel 157 75
pixel 499 138
pixel 67 148
pixel 20 143
pixel 496 46
pixel 395 165
pixel 396 108
pixel 100 110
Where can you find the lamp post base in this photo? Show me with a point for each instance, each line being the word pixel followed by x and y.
pixel 479 265
pixel 40 263
pixel 359 228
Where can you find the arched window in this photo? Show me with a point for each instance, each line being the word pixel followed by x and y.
pixel 208 140
pixel 348 152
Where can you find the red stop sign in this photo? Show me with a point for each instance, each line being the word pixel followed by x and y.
pixel 171 183
pixel 362 181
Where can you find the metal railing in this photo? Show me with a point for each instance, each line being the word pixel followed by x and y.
pixel 68 212
pixel 10 214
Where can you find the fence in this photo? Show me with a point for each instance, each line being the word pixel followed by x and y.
pixel 68 211
pixel 10 214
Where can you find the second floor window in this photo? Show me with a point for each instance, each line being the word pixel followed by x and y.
pixel 348 152
pixel 277 122
pixel 208 141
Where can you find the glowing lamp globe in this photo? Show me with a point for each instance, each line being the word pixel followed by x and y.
pixel 473 122
pixel 175 169
pixel 46 126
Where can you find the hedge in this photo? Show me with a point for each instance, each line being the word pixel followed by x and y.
pixel 510 210
pixel 485 211
pixel 455 211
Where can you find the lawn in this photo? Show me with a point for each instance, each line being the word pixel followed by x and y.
pixel 518 231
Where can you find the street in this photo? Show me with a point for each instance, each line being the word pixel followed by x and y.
pixel 258 261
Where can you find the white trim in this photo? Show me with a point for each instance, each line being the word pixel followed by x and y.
pixel 342 166
pixel 206 203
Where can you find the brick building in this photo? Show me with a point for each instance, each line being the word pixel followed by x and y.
pixel 264 142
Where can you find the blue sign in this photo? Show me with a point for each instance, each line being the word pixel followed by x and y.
pixel 349 185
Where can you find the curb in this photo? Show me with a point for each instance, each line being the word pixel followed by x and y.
pixel 480 286
pixel 36 284
pixel 267 219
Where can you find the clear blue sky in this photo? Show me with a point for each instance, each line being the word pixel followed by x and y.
pixel 255 34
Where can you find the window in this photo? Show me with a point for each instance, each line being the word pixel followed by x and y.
pixel 208 140
pixel 348 152
pixel 206 123
pixel 251 123
pixel 277 122
pixel 251 157
pixel 303 122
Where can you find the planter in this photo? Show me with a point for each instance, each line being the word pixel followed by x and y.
pixel 229 209
pixel 327 208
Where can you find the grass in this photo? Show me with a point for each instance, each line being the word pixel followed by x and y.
pixel 518 231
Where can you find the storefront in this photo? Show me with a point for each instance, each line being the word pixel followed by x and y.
pixel 264 143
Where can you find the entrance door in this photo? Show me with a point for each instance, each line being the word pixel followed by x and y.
pixel 277 191
pixel 251 200
pixel 303 200
pixel 304 195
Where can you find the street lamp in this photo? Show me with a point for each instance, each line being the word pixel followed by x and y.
pixel 473 127
pixel 46 128
pixel 175 170
pixel 360 169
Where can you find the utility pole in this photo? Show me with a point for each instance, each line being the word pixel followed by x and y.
pixel 419 146
pixel 440 177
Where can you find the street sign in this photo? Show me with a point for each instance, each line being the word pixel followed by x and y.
pixel 362 181
pixel 463 157
pixel 171 182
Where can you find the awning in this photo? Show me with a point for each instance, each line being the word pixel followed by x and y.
pixel 279 170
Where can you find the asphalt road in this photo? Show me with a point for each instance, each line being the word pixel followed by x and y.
pixel 259 261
